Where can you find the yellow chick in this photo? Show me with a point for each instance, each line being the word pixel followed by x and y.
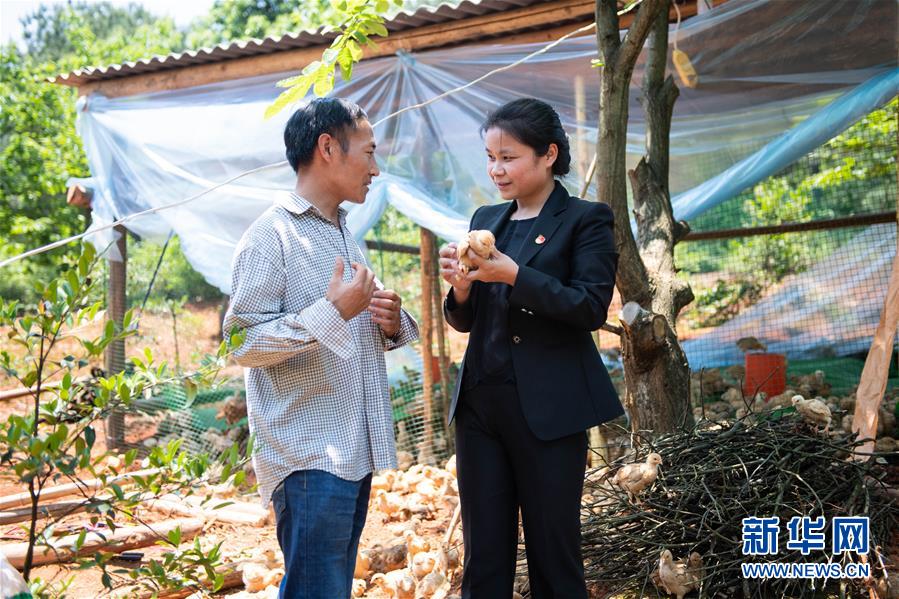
pixel 813 411
pixel 430 584
pixel 423 563
pixel 635 478
pixel 397 584
pixel 359 587
pixel 451 465
pixel 380 482
pixel 415 545
pixel 390 504
pixel 696 568
pixel 404 460
pixel 363 564
pixel 481 243
pixel 255 577
pixel 674 576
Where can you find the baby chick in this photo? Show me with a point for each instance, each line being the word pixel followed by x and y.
pixel 674 576
pixel 451 465
pixel 385 559
pixel 397 584
pixel 423 563
pixel 635 478
pixel 359 587
pixel 747 344
pixel 813 411
pixel 414 544
pixel 481 243
pixel 363 564
pixel 430 584
pixel 390 504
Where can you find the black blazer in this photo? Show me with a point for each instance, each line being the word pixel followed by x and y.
pixel 562 294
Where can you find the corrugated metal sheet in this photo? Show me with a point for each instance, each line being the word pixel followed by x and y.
pixel 405 20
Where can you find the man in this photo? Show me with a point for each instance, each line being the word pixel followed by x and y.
pixel 317 325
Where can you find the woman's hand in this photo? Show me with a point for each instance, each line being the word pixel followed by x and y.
pixel 499 268
pixel 449 269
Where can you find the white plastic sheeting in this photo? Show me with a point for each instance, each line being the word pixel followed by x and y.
pixel 764 67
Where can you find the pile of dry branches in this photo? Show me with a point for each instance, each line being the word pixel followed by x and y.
pixel 712 478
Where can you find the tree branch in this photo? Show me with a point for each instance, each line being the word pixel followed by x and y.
pixel 636 35
pixel 608 37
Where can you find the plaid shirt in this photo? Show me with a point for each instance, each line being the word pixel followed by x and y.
pixel 317 395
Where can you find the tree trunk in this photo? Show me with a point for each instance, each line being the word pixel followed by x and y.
pixel 657 376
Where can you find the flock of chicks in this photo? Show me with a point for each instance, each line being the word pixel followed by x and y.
pixel 409 567
pixel 412 567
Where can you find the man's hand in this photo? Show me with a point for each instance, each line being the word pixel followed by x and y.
pixel 385 311
pixel 499 268
pixel 350 298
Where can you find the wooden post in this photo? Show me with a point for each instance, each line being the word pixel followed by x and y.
pixel 442 351
pixel 426 448
pixel 115 352
pixel 873 381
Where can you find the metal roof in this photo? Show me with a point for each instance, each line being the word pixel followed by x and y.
pixel 402 21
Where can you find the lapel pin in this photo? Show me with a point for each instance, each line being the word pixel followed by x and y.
pixel 540 239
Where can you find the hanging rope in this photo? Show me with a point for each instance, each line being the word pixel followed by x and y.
pixel 130 217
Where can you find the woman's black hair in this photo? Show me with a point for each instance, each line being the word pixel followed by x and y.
pixel 535 124
pixel 334 116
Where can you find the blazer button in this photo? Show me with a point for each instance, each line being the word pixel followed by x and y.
pixel 516 339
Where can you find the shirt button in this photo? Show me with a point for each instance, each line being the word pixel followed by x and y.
pixel 516 339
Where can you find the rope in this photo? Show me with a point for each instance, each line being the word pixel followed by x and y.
pixel 153 278
pixel 676 25
pixel 130 217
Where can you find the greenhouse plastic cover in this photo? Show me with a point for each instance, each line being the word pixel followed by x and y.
pixel 776 79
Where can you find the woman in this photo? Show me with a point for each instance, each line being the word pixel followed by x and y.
pixel 532 380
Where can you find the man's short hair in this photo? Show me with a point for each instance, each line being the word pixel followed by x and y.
pixel 334 116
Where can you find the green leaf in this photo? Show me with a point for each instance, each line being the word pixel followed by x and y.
pixel 288 97
pixel 190 391
pixel 324 81
pixel 29 379
pixel 175 536
pixel 378 29
pixel 355 50
pixel 329 56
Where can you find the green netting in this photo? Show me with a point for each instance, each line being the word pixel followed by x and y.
pixel 843 374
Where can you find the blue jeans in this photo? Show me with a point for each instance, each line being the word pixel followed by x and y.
pixel 319 521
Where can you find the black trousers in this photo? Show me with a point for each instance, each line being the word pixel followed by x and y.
pixel 502 467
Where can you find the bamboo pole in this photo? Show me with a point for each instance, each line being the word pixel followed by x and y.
pixel 24 499
pixel 123 538
pixel 117 304
pixel 63 508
